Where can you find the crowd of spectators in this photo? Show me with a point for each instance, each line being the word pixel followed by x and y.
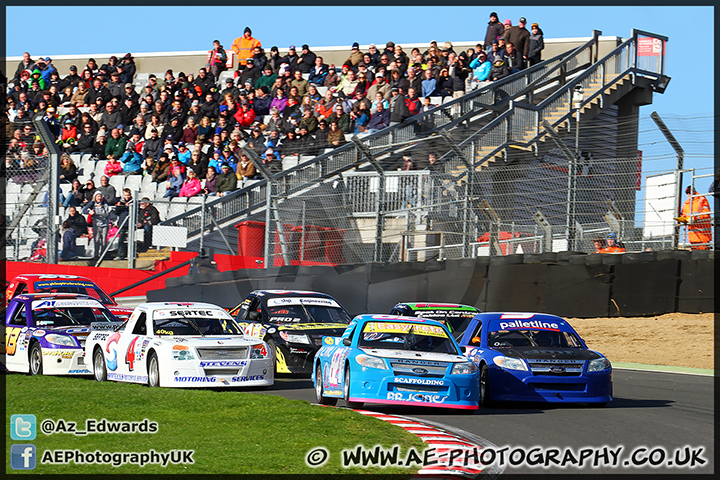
pixel 187 131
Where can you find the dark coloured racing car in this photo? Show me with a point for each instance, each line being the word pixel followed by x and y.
pixel 292 323
pixel 535 357
pixel 454 316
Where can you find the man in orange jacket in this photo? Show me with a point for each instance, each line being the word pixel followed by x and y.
pixel 696 215
pixel 613 246
pixel 244 46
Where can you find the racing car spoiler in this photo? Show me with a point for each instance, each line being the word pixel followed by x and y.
pixel 104 325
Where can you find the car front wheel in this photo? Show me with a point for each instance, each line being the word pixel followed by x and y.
pixel 319 391
pixel 99 370
pixel 348 403
pixel 153 371
pixel 36 363
pixel 485 386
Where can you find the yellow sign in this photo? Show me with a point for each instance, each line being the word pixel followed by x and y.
pixel 391 327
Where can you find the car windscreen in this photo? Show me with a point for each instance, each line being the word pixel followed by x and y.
pixel 306 310
pixel 406 336
pixel 72 286
pixel 66 316
pixel 195 326
pixel 532 338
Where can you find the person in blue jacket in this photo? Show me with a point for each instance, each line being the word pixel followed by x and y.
pixel 481 67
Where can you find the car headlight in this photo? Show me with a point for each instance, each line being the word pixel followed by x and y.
pixel 259 351
pixel 464 368
pixel 509 363
pixel 598 365
pixel 183 355
pixel 63 340
pixel 294 337
pixel 371 362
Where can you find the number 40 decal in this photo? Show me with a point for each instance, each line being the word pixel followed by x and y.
pixel 130 355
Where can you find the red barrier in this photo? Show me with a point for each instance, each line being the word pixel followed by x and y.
pixel 109 279
pixel 251 239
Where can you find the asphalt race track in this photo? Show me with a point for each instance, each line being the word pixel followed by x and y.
pixel 649 410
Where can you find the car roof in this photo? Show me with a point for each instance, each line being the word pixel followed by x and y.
pixel 436 306
pixel 177 305
pixel 48 276
pixel 368 317
pixel 54 296
pixel 287 293
pixel 518 316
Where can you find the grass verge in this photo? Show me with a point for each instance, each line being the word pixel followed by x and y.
pixel 230 432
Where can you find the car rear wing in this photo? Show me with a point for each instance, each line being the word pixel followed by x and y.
pixel 104 325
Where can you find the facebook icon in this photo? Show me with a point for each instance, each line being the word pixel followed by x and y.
pixel 22 457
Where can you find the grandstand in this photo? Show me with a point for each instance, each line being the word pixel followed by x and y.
pixel 508 149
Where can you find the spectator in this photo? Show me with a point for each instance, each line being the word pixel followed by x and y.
pixel 244 47
pixel 259 58
pixel 481 68
pixel 361 117
pixel 147 217
pixel 332 79
pixel 412 102
pixel 520 38
pixel 113 167
pixel 336 137
pixel 77 222
pixel 271 162
pixel 211 179
pixel 132 158
pixel 299 82
pixel 342 119
pixel 499 70
pixel 513 58
pixel 88 192
pixel 198 163
pixel 268 79
pixel 115 146
pixel 161 170
pixel 108 191
pixel 127 68
pixel 380 119
pixel 398 109
pixel 308 121
pixel 321 135
pixel 318 71
pixel 306 59
pixel 246 115
pixel 154 144
pixel 101 213
pixel 227 181
pixel 536 45
pixel 148 166
pixel 68 136
pixel 174 183
pixel 445 83
pixel 122 209
pixel 429 85
pixel 69 247
pixel 75 196
pixel 191 186
pixel 250 75
pixel 246 169
pixel 408 163
pixel 111 117
pixel 217 59
pixel 355 56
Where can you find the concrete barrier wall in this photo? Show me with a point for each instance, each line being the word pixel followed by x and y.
pixel 566 284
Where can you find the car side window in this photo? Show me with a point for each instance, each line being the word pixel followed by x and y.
pixel 477 332
pixel 19 316
pixel 395 311
pixel 140 326
pixel 21 288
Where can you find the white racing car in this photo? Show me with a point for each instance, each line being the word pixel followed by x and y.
pixel 179 345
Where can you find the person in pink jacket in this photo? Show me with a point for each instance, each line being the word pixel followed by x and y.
pixel 191 186
pixel 113 167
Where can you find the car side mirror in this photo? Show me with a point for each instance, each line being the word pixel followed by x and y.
pixel 346 342
pixel 476 340
pixel 253 315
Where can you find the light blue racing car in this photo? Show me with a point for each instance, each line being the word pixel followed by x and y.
pixel 395 360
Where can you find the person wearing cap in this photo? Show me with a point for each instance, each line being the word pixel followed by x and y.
pixel 536 45
pixel 613 246
pixel 695 215
pixel 100 220
pixel 494 30
pixel 355 56
pixel 306 59
pixel 259 58
pixel 291 59
pixel 250 74
pixel 227 181
pixel 127 68
pixel 71 79
pixel 243 47
pixel 148 216
pixel 115 86
pixel 246 169
pixel 520 38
